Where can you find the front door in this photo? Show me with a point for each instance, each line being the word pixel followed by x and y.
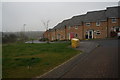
pixel 71 35
pixel 90 34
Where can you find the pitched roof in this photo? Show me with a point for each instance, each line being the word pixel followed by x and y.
pixel 95 16
pixel 66 22
pixel 113 12
pixel 92 16
pixel 74 21
pixel 77 20
pixel 62 24
pixel 57 26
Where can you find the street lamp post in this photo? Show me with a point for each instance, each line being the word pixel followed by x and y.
pixel 24 30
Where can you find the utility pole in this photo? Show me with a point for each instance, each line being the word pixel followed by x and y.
pixel 24 30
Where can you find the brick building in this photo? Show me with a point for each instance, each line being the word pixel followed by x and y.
pixel 92 25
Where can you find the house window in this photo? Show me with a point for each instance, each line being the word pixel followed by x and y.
pixel 58 36
pixel 97 32
pixel 97 23
pixel 114 20
pixel 48 35
pixel 87 24
pixel 62 36
pixel 76 35
pixel 69 27
pixel 86 32
pixel 68 36
pixel 76 27
pixel 52 37
pixel 116 29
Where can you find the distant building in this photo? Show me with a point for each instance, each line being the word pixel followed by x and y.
pixel 95 24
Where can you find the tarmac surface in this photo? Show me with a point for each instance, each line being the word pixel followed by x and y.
pixel 98 60
pixel 102 62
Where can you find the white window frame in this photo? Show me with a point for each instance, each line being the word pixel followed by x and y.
pixel 114 20
pixel 48 35
pixel 69 27
pixel 52 37
pixel 68 36
pixel 76 35
pixel 58 36
pixel 98 31
pixel 88 24
pixel 115 29
pixel 76 27
pixel 98 23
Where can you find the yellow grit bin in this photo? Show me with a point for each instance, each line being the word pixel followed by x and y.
pixel 75 42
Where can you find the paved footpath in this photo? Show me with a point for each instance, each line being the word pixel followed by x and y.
pixel 98 60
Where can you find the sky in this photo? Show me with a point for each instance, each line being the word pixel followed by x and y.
pixel 33 14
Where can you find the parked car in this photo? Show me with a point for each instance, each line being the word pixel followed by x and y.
pixel 118 35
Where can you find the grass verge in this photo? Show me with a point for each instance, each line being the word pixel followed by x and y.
pixel 31 60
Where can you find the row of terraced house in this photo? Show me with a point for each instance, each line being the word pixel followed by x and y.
pixel 92 25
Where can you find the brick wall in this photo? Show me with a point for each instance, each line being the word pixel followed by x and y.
pixel 48 34
pixel 60 34
pixel 45 34
pixel 102 29
pixel 64 33
pixel 77 30
pixel 52 35
pixel 112 24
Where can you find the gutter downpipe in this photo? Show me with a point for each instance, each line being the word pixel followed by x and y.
pixel 65 33
pixel 107 28
pixel 82 31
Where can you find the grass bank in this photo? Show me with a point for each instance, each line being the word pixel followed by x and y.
pixel 31 60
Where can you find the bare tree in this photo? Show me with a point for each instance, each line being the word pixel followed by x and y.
pixel 46 25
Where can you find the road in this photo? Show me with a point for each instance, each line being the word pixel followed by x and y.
pixel 102 62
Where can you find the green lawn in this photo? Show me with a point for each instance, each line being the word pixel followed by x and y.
pixel 40 57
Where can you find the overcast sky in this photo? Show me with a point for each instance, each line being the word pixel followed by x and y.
pixel 15 14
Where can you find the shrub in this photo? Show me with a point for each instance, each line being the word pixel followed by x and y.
pixel 113 34
pixel 43 39
pixel 9 38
